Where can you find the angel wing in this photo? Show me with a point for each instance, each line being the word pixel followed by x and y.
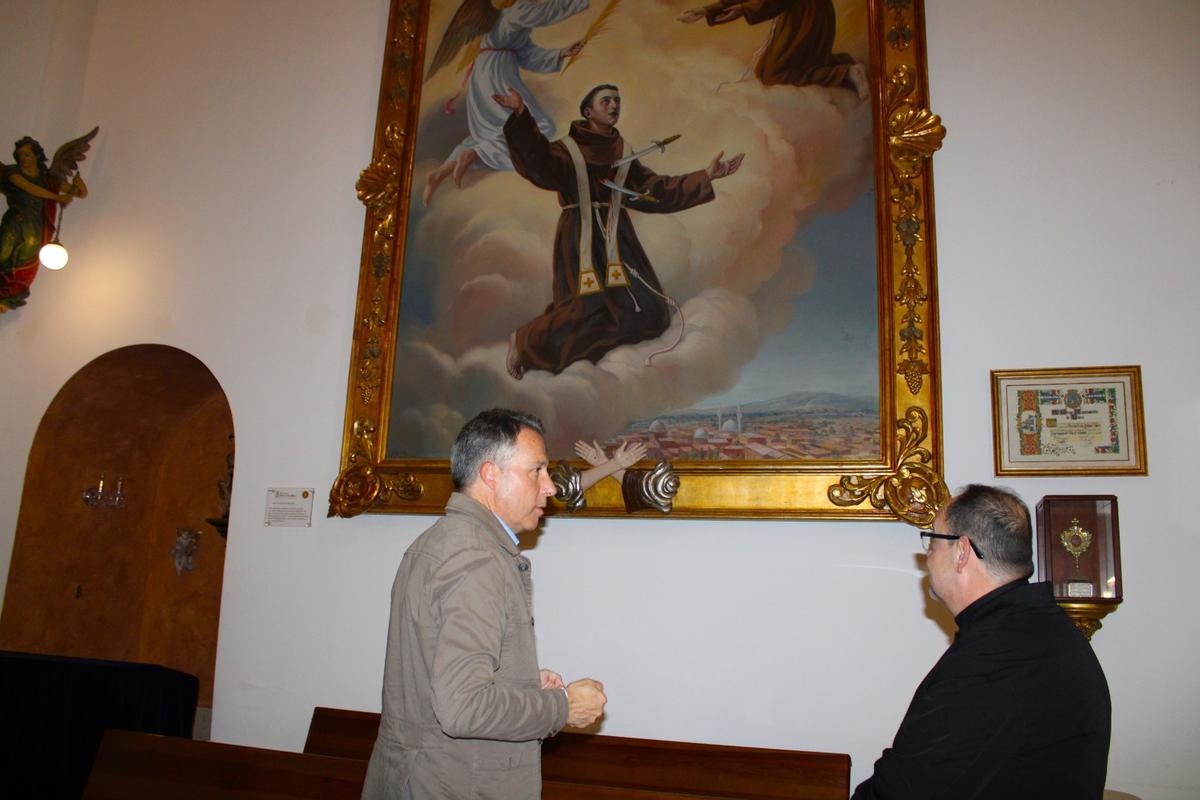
pixel 66 158
pixel 473 19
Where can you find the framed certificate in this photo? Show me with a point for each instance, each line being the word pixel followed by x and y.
pixel 1073 421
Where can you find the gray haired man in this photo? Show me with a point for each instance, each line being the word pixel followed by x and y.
pixel 465 705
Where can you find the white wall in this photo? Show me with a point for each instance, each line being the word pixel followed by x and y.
pixel 223 221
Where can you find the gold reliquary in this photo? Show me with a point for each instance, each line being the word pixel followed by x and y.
pixel 1079 553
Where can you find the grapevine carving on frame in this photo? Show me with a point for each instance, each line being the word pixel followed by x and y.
pixel 914 134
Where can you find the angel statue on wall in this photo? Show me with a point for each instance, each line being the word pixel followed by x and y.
pixel 496 37
pixel 34 194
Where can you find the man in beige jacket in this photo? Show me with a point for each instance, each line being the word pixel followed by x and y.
pixel 465 706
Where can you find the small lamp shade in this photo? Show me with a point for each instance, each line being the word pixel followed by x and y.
pixel 53 256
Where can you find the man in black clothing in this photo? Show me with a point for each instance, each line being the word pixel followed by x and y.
pixel 1018 706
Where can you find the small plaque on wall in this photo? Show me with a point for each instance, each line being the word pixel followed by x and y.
pixel 289 508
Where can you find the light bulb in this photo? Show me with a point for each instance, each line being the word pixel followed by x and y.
pixel 53 256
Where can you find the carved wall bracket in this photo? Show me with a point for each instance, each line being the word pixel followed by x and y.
pixel 914 492
pixel 657 488
pixel 641 489
pixel 568 482
pixel 1087 616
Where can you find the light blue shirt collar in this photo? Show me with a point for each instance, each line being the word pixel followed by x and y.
pixel 507 529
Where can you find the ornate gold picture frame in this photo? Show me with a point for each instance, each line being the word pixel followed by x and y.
pixel 1069 421
pixel 901 479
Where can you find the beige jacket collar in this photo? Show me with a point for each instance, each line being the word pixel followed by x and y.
pixel 460 503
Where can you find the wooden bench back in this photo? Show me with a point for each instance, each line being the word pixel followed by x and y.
pixel 707 770
pixel 342 733
pixel 137 766
pixel 590 767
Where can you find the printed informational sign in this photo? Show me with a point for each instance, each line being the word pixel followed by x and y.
pixel 289 508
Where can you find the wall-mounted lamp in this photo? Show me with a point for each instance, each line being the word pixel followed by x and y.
pixel 53 255
pixel 95 497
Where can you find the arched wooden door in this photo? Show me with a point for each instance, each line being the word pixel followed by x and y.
pixel 141 582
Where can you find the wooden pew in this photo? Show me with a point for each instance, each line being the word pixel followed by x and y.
pixel 133 766
pixel 342 733
pixel 591 767
pixel 686 768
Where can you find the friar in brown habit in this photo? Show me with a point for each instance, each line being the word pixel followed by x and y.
pixel 612 296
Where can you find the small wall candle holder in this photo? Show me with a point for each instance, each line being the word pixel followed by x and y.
pixel 97 497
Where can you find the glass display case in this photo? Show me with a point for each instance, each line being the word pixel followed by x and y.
pixel 1079 552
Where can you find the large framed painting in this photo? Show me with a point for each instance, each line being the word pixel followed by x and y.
pixel 752 300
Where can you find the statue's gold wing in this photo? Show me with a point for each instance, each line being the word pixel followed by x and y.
pixel 66 158
pixel 472 20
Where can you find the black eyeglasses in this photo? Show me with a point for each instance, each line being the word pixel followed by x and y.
pixel 927 537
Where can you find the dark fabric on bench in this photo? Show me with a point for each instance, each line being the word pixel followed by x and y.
pixel 54 711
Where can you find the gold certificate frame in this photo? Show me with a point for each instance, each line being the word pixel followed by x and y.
pixel 899 476
pixel 1072 421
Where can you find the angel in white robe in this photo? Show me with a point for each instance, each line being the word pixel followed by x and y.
pixel 505 49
